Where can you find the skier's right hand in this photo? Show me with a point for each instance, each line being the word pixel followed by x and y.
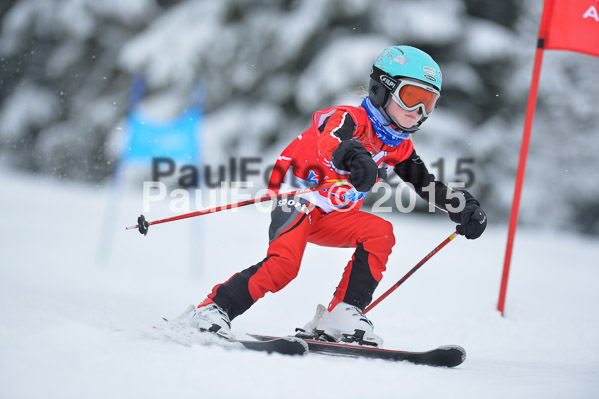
pixel 352 157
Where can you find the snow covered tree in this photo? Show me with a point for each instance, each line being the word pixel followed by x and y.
pixel 66 69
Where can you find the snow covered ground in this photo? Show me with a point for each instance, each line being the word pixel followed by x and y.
pixel 76 326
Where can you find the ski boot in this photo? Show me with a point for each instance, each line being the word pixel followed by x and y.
pixel 344 323
pixel 208 318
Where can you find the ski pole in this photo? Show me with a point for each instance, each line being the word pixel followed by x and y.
pixel 404 278
pixel 143 225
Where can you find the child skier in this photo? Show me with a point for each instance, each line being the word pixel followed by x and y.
pixel 360 144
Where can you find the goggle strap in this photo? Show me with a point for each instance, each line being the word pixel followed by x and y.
pixel 378 75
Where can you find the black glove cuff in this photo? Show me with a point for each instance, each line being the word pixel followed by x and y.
pixel 456 217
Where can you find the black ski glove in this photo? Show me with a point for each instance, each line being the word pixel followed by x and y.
pixel 472 220
pixel 352 157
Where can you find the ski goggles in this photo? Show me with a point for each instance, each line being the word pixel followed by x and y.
pixel 411 95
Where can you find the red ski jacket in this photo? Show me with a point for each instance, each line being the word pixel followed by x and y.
pixel 307 160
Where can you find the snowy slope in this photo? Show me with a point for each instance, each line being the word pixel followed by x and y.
pixel 76 327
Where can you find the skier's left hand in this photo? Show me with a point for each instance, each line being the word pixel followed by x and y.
pixel 472 220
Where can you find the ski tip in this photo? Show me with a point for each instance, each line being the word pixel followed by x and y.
pixel 455 348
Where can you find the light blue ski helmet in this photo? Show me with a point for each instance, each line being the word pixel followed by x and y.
pixel 409 62
pixel 393 64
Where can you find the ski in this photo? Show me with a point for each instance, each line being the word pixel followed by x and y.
pixel 443 356
pixel 188 336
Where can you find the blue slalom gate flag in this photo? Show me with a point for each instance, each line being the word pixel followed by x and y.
pixel 177 139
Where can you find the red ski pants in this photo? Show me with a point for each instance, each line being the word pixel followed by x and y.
pixel 290 230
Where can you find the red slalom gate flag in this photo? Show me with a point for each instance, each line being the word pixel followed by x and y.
pixel 565 25
pixel 571 25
